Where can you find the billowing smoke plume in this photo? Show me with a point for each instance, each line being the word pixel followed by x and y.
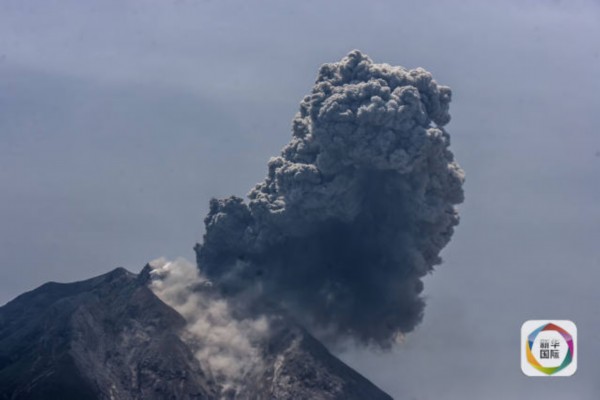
pixel 354 212
pixel 226 346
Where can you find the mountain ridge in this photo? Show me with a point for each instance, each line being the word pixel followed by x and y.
pixel 111 337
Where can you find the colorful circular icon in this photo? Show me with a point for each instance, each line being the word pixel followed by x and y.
pixel 532 359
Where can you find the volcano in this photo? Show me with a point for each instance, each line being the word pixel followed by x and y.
pixel 112 338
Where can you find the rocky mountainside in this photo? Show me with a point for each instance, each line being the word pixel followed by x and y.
pixel 110 337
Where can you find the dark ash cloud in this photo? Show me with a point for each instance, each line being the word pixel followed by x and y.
pixel 354 212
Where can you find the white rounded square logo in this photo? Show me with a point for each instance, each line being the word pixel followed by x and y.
pixel 548 348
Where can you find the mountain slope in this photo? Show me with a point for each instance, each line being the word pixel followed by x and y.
pixel 104 338
pixel 300 367
pixel 110 337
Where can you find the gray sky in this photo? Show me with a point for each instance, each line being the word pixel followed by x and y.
pixel 119 120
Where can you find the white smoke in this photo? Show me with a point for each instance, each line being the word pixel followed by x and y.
pixel 225 345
